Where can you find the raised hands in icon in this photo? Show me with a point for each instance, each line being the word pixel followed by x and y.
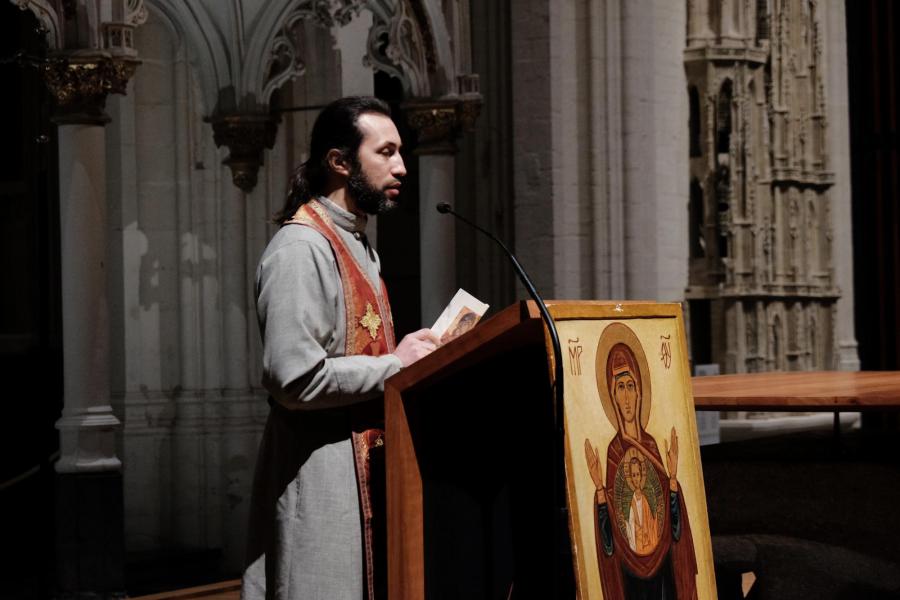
pixel 672 456
pixel 592 455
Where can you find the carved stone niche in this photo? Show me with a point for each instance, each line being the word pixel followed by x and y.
pixel 438 123
pixel 80 82
pixel 246 135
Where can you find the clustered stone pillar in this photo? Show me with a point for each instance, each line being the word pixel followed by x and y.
pixel 90 533
pixel 438 123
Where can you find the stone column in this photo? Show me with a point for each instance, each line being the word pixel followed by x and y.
pixel 727 30
pixel 438 123
pixel 838 147
pixel 698 22
pixel 90 530
pixel 246 135
pixel 654 150
pixel 230 420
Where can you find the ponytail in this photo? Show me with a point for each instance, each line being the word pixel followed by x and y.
pixel 299 193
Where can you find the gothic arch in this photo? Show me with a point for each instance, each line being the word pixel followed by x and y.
pixel 697 220
pixel 205 46
pixel 51 14
pixel 724 116
pixel 762 20
pixel 811 233
pixel 47 15
pixel 270 38
pixel 777 343
pixel 408 40
pixel 90 31
pixel 696 148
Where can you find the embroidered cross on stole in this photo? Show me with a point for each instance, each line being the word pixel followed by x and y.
pixel 370 331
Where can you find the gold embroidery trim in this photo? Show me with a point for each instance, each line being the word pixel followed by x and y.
pixel 371 321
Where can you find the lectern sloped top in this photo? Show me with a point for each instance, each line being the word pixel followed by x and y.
pixel 517 325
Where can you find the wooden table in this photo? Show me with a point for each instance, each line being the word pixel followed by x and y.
pixel 799 391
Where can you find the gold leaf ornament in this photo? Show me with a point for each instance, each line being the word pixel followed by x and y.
pixel 371 320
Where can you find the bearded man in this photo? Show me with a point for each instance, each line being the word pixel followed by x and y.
pixel 328 346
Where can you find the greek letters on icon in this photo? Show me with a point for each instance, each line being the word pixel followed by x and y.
pixel 575 357
pixel 665 350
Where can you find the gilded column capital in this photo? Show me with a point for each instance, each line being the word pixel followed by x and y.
pixel 439 122
pixel 246 135
pixel 80 83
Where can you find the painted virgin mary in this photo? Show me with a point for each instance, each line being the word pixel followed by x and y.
pixel 644 543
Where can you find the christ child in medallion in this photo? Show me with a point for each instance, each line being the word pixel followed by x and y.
pixel 643 537
pixel 642 524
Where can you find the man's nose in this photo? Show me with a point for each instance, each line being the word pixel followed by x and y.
pixel 399 169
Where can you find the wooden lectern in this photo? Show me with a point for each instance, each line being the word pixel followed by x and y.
pixel 474 461
pixel 470 465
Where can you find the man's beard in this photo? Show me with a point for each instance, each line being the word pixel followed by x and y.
pixel 367 197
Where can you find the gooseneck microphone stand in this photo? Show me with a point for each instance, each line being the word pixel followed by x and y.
pixel 559 483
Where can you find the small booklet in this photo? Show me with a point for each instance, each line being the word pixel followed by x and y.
pixel 461 315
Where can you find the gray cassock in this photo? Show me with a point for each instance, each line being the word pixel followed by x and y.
pixel 305 532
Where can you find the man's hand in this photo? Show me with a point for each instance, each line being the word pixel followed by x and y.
pixel 416 345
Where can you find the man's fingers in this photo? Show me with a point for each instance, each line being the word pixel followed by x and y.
pixel 426 341
pixel 416 345
pixel 427 335
pixel 423 349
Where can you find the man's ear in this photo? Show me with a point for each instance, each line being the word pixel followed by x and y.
pixel 337 162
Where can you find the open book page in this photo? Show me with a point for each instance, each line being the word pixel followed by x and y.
pixel 461 315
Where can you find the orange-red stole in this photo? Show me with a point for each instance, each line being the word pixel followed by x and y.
pixel 370 331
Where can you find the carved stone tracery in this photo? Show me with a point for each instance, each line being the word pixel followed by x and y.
pixel 286 59
pixel 401 44
pixel 768 192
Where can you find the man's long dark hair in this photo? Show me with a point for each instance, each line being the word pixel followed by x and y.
pixel 335 127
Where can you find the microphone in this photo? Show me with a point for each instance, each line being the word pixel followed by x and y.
pixel 444 209
pixel 560 567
